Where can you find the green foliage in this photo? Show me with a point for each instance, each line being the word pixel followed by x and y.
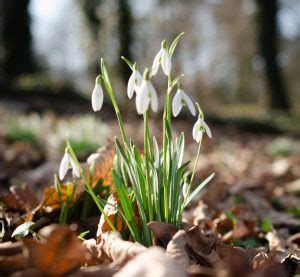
pixel 83 146
pixel 266 224
pixel 21 134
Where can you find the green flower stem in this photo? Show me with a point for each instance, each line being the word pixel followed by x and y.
pixel 146 153
pixel 166 119
pixel 112 97
pixel 88 186
pixel 193 174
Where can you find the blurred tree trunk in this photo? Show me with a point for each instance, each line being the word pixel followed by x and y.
pixel 89 8
pixel 268 40
pixel 16 38
pixel 125 37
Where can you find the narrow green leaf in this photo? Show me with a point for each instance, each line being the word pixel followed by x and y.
pixel 130 64
pixel 198 189
pixel 180 149
pixel 83 234
pixel 174 43
pixel 105 75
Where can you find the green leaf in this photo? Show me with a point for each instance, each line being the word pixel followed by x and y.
pixel 125 203
pixel 180 149
pixel 174 43
pixel 83 234
pixel 105 75
pixel 198 189
pixel 266 224
pixel 130 64
pixel 23 229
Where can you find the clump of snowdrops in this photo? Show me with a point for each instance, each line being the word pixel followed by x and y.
pixel 156 183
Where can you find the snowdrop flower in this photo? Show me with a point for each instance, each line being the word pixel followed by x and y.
pixel 200 127
pixel 65 163
pixel 162 58
pixel 181 99
pixel 146 95
pixel 134 81
pixel 97 95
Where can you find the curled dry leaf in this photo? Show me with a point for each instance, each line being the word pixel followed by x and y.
pixel 59 253
pixel 10 264
pixel 202 247
pixel 20 198
pixel 52 199
pixel 94 248
pixel 10 248
pixel 97 270
pixel 103 163
pixel 177 248
pixel 275 241
pixel 119 250
pixel 152 262
pixel 163 232
pixel 111 210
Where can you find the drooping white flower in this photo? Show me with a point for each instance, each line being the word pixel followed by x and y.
pixel 181 99
pixel 162 58
pixel 146 95
pixel 199 129
pixel 76 170
pixel 97 95
pixel 134 82
pixel 65 163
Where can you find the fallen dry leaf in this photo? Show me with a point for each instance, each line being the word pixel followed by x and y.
pixel 119 250
pixel 111 210
pixel 20 198
pixel 152 262
pixel 59 253
pixel 103 163
pixel 177 248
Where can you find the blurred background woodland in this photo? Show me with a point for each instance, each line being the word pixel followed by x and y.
pixel 240 60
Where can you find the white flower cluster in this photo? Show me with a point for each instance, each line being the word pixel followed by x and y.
pixel 146 94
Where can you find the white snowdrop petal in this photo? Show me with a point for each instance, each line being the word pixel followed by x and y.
pixel 176 103
pixel 97 98
pixel 199 136
pixel 64 166
pixel 75 168
pixel 190 104
pixel 166 62
pixel 156 62
pixel 207 129
pixel 139 78
pixel 142 99
pixel 196 128
pixel 154 99
pixel 131 85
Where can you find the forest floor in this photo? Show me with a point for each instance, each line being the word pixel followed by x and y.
pixel 245 223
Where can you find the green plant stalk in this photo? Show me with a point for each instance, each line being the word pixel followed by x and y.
pixel 193 174
pixel 89 188
pixel 146 153
pixel 166 118
pixel 112 97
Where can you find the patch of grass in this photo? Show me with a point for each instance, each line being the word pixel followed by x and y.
pixel 249 243
pixel 266 225
pixel 83 146
pixel 21 134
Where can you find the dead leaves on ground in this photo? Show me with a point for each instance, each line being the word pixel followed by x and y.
pixel 58 251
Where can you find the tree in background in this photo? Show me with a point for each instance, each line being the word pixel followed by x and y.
pixel 125 36
pixel 93 22
pixel 268 40
pixel 16 38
